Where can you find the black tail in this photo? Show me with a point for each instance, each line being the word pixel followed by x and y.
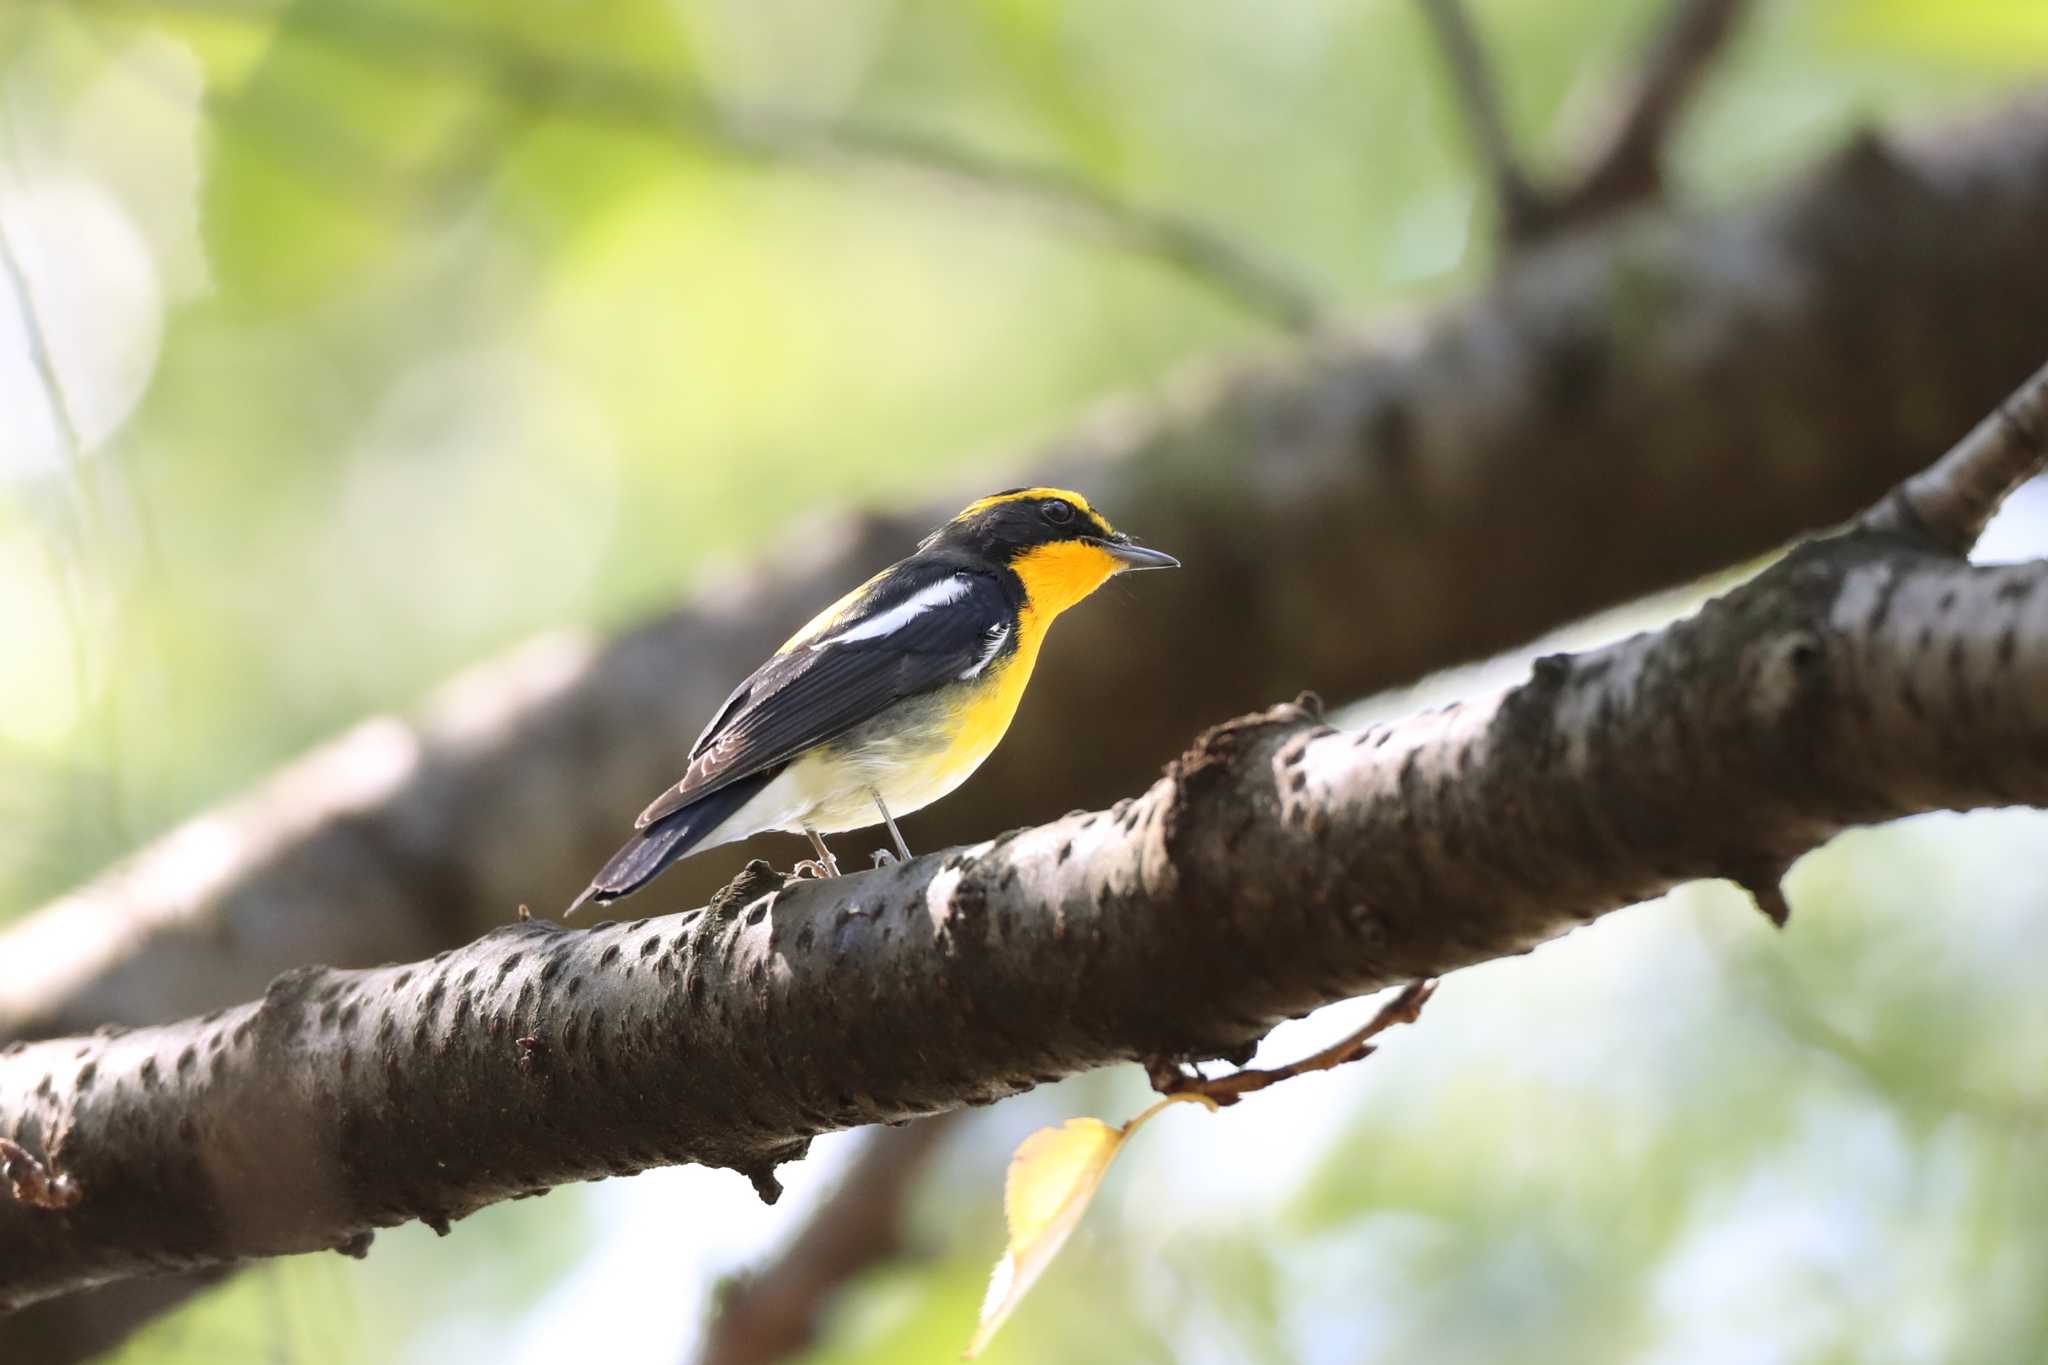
pixel 647 853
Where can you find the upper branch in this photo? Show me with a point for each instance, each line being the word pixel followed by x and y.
pixel 1626 164
pixel 1231 269
pixel 1951 502
pixel 1280 864
pixel 1519 203
pixel 531 76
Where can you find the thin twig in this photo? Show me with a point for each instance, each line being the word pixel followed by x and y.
pixel 531 76
pixel 1951 501
pixel 1626 164
pixel 67 549
pixel 1519 202
pixel 1405 1008
pixel 39 350
pixel 1203 254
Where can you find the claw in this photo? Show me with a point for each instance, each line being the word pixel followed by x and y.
pixel 883 857
pixel 812 868
pixel 825 860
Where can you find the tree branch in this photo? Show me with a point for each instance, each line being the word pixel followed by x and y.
pixel 1229 269
pixel 1639 407
pixel 1355 1046
pixel 1651 406
pixel 533 77
pixel 1279 865
pixel 1642 408
pixel 1626 165
pixel 1518 202
pixel 70 443
pixel 772 1313
pixel 1952 502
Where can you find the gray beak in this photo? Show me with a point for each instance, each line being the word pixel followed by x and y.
pixel 1137 556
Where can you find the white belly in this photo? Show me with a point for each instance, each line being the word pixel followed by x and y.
pixel 913 754
pixel 831 789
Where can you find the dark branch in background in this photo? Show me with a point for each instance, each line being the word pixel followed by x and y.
pixel 1230 269
pixel 773 1312
pixel 1517 201
pixel 1624 165
pixel 1279 865
pixel 533 78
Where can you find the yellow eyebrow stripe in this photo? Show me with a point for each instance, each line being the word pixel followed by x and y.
pixel 1027 495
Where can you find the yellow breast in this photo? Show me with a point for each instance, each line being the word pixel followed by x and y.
pixel 1055 578
pixel 912 770
pixel 985 713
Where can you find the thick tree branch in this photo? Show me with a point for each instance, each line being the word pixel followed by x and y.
pixel 1280 864
pixel 1648 405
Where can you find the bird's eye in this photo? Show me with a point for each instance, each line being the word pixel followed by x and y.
pixel 1057 512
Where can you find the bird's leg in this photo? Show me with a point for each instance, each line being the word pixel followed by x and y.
pixel 902 849
pixel 824 865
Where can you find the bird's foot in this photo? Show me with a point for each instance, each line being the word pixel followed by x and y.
pixel 883 857
pixel 812 868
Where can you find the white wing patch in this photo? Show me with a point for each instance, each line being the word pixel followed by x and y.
pixel 889 622
pixel 995 642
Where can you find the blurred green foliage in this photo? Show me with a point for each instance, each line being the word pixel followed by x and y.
pixel 386 332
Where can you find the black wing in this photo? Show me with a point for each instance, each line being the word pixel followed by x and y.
pixel 824 688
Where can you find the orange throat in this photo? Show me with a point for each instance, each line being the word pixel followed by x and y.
pixel 1057 576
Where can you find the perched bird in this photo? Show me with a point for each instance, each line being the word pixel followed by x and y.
pixel 890 697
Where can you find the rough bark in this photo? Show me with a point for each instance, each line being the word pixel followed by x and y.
pixel 1278 865
pixel 1622 410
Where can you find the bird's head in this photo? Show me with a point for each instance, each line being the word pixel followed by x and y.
pixel 1060 547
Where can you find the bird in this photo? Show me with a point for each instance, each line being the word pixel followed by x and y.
pixel 891 697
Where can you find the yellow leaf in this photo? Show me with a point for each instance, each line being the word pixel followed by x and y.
pixel 1053 1175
